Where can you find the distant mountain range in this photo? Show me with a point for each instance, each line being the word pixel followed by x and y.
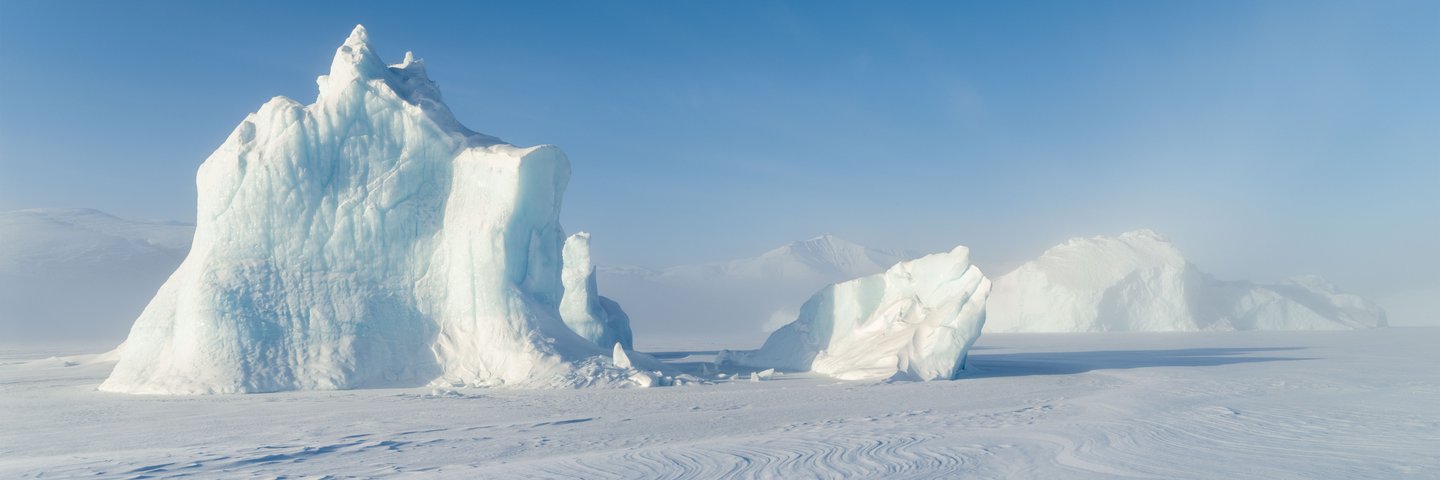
pixel 738 300
pixel 84 274
pixel 81 274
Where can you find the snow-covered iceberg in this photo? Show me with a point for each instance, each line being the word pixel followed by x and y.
pixel 1139 281
pixel 598 319
pixel 367 239
pixel 916 320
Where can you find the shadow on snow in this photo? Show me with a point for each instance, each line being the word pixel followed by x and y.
pixel 989 365
pixel 1067 363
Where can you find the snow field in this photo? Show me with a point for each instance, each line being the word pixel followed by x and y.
pixel 1275 405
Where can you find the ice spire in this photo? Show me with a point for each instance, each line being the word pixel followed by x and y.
pixel 358 36
pixel 353 60
pixel 356 62
pixel 590 315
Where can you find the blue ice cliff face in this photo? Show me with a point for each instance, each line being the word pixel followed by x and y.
pixel 367 239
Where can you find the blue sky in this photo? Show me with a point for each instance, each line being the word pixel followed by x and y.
pixel 1265 138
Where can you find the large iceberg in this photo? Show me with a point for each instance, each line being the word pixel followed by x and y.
pixel 367 239
pixel 916 320
pixel 598 319
pixel 1139 281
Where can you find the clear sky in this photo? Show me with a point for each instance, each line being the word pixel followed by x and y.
pixel 1265 138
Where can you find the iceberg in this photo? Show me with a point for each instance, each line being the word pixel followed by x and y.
pixel 1139 281
pixel 916 320
pixel 598 319
pixel 367 239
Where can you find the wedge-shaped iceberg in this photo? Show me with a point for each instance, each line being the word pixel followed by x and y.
pixel 916 320
pixel 367 239
pixel 598 319
pixel 1139 281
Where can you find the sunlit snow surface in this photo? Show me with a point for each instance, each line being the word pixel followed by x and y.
pixel 1271 405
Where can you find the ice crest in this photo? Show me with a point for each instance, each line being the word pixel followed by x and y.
pixel 355 59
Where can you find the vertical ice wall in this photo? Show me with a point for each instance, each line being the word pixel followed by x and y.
pixel 367 239
pixel 916 320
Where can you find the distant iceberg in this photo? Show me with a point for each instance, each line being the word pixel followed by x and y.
pixel 367 239
pixel 916 320
pixel 1139 281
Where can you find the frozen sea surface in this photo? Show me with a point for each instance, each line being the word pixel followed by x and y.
pixel 1237 405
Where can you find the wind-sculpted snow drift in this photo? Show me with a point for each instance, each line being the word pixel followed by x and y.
pixel 367 239
pixel 916 320
pixel 1140 282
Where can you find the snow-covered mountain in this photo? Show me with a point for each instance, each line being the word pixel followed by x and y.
pixel 366 239
pixel 739 300
pixel 825 256
pixel 80 274
pixel 1139 281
